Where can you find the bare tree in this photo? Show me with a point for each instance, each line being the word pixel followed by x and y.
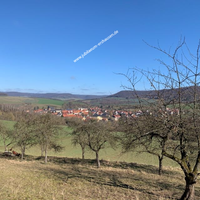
pixel 23 134
pixel 47 134
pixel 79 136
pixel 98 135
pixel 92 134
pixel 132 138
pixel 173 117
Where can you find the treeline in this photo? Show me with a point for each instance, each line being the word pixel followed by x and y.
pixel 10 112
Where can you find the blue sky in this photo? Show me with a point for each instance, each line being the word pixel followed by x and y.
pixel 40 39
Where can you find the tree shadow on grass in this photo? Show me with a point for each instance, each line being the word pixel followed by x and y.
pixel 119 179
pixel 91 162
pixel 116 174
pixel 123 165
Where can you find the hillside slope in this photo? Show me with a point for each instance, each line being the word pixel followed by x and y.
pixel 65 178
pixel 53 95
pixel 167 94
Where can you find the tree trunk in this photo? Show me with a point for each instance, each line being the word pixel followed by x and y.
pixel 97 159
pixel 83 153
pixel 45 160
pixel 189 188
pixel 5 146
pixel 160 158
pixel 23 152
pixel 42 151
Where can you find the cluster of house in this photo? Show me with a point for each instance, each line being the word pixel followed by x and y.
pixel 172 111
pixel 84 113
pixel 95 112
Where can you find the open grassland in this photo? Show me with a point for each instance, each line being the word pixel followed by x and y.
pixel 105 154
pixel 71 179
pixel 50 102
pixel 17 100
pixel 117 102
pixel 33 101
pixel 65 176
pixel 108 153
pixel 8 124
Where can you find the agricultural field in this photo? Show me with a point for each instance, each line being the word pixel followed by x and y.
pixel 16 100
pixel 19 101
pixel 42 101
pixel 112 102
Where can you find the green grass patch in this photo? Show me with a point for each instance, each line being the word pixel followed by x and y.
pixel 50 102
pixel 8 124
pixel 16 100
pixel 19 101
pixel 109 154
pixel 105 154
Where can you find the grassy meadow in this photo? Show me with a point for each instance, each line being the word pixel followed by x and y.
pixel 42 101
pixel 108 153
pixel 33 101
pixel 70 179
pixel 16 100
pixel 65 176
pixel 116 102
pixel 8 124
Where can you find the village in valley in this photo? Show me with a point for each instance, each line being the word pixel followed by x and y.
pixel 96 113
pixel 85 113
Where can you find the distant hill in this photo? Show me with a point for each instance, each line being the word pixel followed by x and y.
pixel 53 95
pixel 167 94
pixel 3 94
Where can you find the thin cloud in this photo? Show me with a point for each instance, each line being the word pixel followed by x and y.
pixel 103 93
pixel 85 89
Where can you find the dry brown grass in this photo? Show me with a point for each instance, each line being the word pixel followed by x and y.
pixel 68 179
